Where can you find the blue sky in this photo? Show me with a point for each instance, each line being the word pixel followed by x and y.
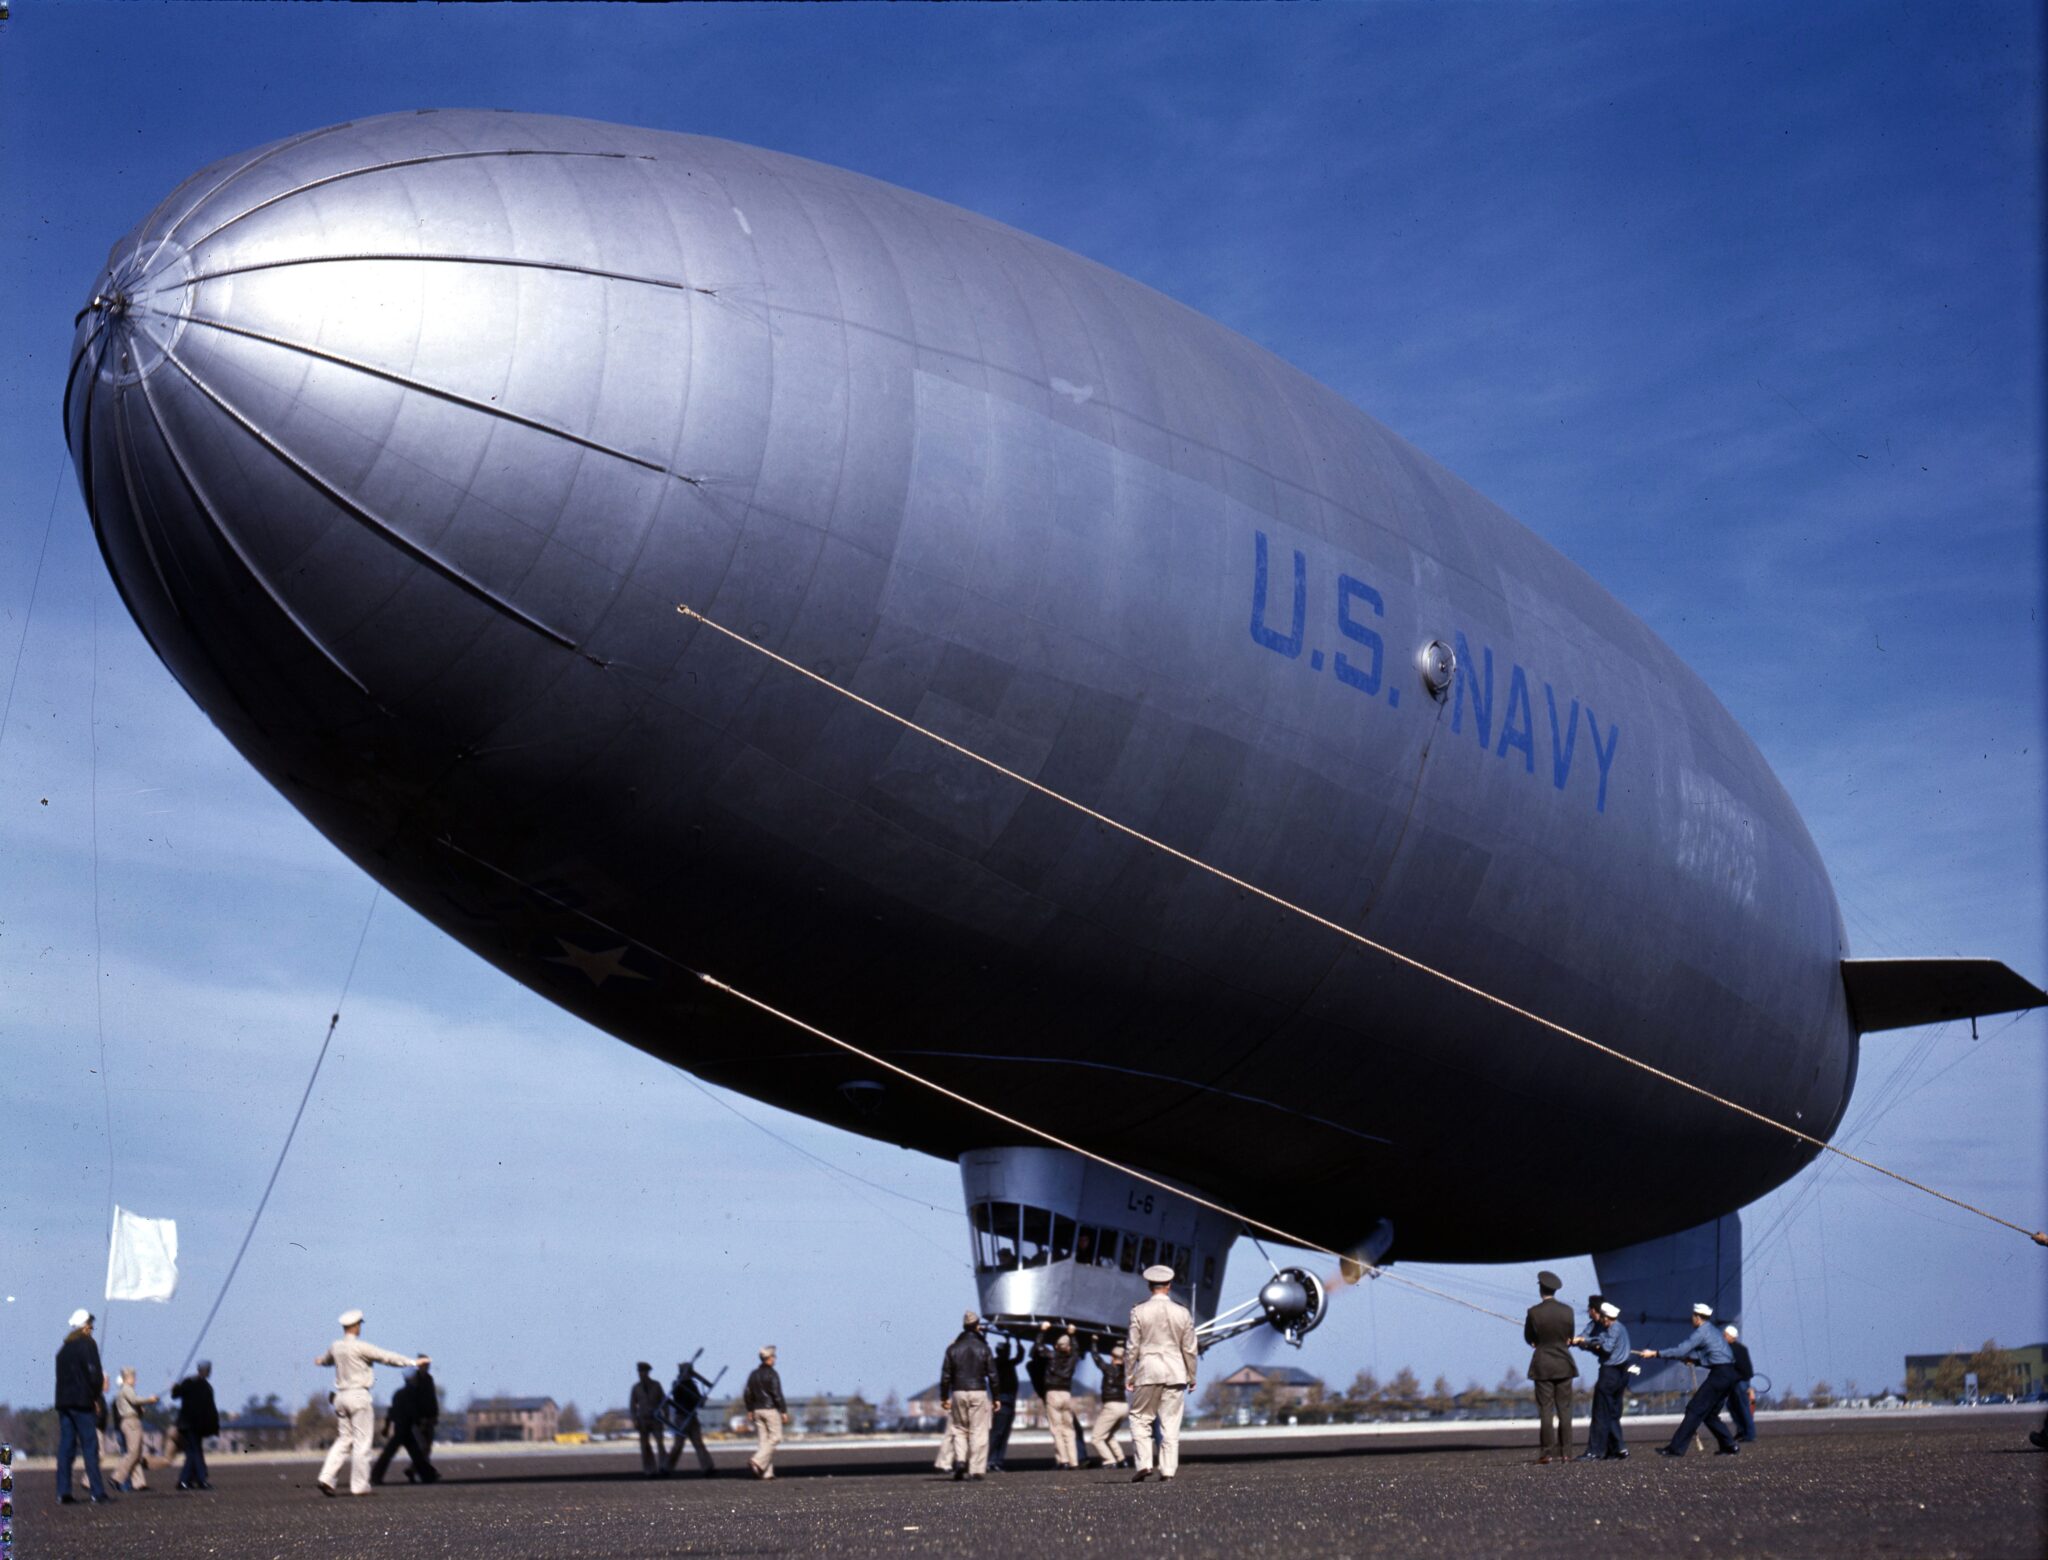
pixel 1740 306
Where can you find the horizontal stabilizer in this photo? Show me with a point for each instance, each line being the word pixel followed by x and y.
pixel 1899 993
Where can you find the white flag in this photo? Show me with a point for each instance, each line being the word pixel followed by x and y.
pixel 142 1262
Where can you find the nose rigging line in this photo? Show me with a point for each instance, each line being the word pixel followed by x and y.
pixel 391 376
pixel 2039 1237
pixel 405 162
pixel 362 514
pixel 513 261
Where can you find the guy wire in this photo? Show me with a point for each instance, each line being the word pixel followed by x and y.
pixel 2039 1237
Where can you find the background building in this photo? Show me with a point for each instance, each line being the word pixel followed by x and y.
pixel 511 1419
pixel 2016 1373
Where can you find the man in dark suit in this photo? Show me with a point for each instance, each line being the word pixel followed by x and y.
pixel 1548 1330
pixel 198 1418
pixel 1742 1401
pixel 411 1403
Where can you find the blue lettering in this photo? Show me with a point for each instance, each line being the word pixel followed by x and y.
pixel 1561 751
pixel 1288 645
pixel 1604 753
pixel 1482 714
pixel 1524 735
pixel 1347 587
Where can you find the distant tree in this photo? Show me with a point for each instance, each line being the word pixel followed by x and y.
pixel 315 1422
pixel 1363 1395
pixel 1823 1394
pixel 1405 1390
pixel 1790 1400
pixel 1269 1402
pixel 1849 1392
pixel 1995 1369
pixel 1212 1399
pixel 1475 1399
pixel 569 1421
pixel 892 1411
pixel 815 1413
pixel 1440 1397
pixel 30 1430
pixel 860 1415
pixel 1947 1382
pixel 269 1404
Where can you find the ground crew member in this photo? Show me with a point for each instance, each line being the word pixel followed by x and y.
pixel 1058 1360
pixel 766 1410
pixel 133 1470
pixel 1607 1341
pixel 198 1418
pixel 645 1407
pixel 686 1398
pixel 411 1404
pixel 81 1380
pixel 1705 1347
pixel 967 1384
pixel 355 1416
pixel 1006 1357
pixel 1742 1401
pixel 1114 1410
pixel 1548 1330
pixel 1162 1361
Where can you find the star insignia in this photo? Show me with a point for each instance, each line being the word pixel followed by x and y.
pixel 600 967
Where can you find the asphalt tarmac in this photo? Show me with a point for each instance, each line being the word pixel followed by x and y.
pixel 1883 1485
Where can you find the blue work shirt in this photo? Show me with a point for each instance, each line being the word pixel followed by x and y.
pixel 1607 1342
pixel 1707 1346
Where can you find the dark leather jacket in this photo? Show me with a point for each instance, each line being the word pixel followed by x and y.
pixel 1112 1378
pixel 79 1375
pixel 968 1366
pixel 1059 1368
pixel 764 1390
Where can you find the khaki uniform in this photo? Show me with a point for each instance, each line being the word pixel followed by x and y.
pixel 967 1438
pixel 128 1414
pixel 1161 1359
pixel 1102 1433
pixel 355 1363
pixel 767 1436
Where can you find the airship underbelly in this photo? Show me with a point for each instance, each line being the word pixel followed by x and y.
pixel 405 439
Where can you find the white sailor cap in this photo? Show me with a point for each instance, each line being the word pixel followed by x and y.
pixel 1610 1310
pixel 79 1318
pixel 1159 1274
pixel 351 1318
pixel 1731 1332
pixel 1701 1308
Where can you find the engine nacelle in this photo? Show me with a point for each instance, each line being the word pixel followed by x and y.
pixel 1294 1301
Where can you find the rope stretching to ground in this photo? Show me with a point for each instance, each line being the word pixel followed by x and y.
pixel 2039 1237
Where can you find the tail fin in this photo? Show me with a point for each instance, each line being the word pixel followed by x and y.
pixel 1900 993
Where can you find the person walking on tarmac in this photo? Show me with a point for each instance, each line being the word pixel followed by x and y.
pixel 1548 1330
pixel 1113 1412
pixel 132 1472
pixel 1742 1400
pixel 765 1408
pixel 686 1401
pixel 967 1382
pixel 81 1380
pixel 198 1418
pixel 1162 1363
pixel 410 1405
pixel 645 1407
pixel 1057 1360
pixel 1706 1346
pixel 355 1415
pixel 1006 1356
pixel 1607 1341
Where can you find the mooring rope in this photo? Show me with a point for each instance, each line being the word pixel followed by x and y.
pixel 2039 1237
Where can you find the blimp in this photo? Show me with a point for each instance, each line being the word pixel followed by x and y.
pixel 1101 755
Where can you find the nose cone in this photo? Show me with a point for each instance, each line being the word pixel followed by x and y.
pixel 373 423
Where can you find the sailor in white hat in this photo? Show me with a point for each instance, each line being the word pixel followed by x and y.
pixel 1162 1358
pixel 1607 1341
pixel 355 1363
pixel 1706 1346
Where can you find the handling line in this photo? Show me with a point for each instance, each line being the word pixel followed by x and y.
pixel 2039 1237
